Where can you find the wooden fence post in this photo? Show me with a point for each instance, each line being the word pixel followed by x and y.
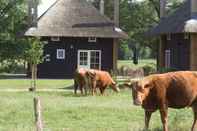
pixel 37 113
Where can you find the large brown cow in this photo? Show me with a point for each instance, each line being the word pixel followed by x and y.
pixel 80 80
pixel 100 79
pixel 160 91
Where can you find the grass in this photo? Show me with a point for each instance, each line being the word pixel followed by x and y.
pixel 62 111
pixel 41 84
pixel 140 63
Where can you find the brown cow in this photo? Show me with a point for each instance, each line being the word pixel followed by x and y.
pixel 160 91
pixel 100 79
pixel 80 80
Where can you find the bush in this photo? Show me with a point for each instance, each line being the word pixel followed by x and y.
pixel 165 70
pixel 12 67
pixel 149 69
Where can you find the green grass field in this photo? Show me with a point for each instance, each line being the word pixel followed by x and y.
pixel 41 84
pixel 63 111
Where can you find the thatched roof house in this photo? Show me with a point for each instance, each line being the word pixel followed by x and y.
pixel 178 33
pixel 78 35
pixel 75 18
pixel 180 21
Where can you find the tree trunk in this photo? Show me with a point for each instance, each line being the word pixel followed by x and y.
pixel 38 116
pixel 33 77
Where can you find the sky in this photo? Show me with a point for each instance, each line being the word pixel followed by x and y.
pixel 45 4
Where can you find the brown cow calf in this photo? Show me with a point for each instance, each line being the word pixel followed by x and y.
pixel 160 91
pixel 80 80
pixel 100 79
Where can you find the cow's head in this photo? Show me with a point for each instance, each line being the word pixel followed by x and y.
pixel 115 87
pixel 140 90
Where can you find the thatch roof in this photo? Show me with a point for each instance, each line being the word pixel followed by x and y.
pixel 180 21
pixel 75 18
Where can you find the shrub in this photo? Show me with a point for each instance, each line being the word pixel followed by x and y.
pixel 164 70
pixel 149 69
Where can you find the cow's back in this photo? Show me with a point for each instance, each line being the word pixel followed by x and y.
pixel 104 78
pixel 180 88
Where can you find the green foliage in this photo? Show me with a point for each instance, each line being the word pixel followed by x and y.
pixel 165 70
pixel 136 18
pixel 149 69
pixel 124 52
pixel 34 55
pixel 13 22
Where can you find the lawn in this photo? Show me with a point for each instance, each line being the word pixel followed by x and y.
pixel 141 63
pixel 63 111
pixel 41 84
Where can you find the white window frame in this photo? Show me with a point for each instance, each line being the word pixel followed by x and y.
pixel 167 58
pixel 99 57
pixel 92 39
pixel 55 39
pixel 58 52
pixel 32 11
pixel 89 57
pixel 78 59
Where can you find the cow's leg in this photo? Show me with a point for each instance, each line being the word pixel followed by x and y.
pixel 85 89
pixel 81 88
pixel 147 119
pixel 93 88
pixel 194 126
pixel 102 90
pixel 75 87
pixel 164 118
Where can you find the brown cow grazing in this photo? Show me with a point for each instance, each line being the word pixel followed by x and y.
pixel 100 79
pixel 80 80
pixel 160 91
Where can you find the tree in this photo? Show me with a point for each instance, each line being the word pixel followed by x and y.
pixel 34 56
pixel 13 23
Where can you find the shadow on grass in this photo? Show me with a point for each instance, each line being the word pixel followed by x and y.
pixel 71 87
pixel 156 129
pixel 71 94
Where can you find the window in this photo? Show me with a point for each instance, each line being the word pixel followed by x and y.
pixel 89 59
pixel 83 58
pixel 55 39
pixel 60 53
pixel 167 58
pixel 32 11
pixel 95 60
pixel 92 39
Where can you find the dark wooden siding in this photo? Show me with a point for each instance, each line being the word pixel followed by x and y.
pixel 180 51
pixel 65 68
